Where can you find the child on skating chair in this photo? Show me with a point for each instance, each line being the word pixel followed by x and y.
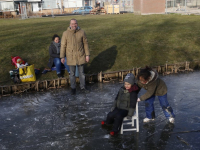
pixel 124 104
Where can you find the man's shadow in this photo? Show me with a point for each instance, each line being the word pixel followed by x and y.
pixel 103 62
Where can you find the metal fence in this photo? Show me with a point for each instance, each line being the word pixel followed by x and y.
pixel 183 6
pixel 124 5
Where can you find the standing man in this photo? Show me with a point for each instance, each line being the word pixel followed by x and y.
pixel 74 46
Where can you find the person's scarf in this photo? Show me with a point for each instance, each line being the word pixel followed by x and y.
pixel 134 87
pixel 57 45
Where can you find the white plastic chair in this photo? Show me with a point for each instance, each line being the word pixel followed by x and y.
pixel 133 127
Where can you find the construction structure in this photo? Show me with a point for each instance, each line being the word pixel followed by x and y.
pixel 98 11
pixel 48 7
pixel 40 7
pixel 183 6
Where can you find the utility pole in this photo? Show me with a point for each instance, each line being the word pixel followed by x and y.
pixel 13 5
pixel 185 5
pixel 62 6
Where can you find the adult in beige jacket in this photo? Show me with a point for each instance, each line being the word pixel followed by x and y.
pixel 74 46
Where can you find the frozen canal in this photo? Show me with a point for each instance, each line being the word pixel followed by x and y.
pixel 55 120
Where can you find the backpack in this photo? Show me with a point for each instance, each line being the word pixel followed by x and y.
pixel 17 61
pixel 14 75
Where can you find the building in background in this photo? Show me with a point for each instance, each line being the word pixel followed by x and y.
pixel 67 6
pixel 15 5
pixel 149 6
pixel 39 5
pixel 44 5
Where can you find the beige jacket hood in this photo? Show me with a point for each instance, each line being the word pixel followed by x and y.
pixel 155 86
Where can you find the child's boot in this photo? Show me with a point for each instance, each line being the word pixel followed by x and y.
pixel 145 120
pixel 113 133
pixel 171 120
pixel 103 123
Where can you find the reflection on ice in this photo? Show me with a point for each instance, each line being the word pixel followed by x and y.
pixel 106 136
pixel 57 120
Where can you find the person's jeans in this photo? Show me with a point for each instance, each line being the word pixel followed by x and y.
pixel 149 107
pixel 66 66
pixel 58 63
pixel 116 118
pixel 73 77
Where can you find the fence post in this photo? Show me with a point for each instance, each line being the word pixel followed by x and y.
pixel 185 5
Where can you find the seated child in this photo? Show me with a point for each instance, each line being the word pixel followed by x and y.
pixel 124 104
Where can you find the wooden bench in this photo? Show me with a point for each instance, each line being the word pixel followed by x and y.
pixel 6 15
pixel 1 15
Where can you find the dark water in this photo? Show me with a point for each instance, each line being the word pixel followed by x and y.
pixel 55 120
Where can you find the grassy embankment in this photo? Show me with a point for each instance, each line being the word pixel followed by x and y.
pixel 116 41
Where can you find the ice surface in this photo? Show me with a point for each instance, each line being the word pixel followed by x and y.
pixel 56 120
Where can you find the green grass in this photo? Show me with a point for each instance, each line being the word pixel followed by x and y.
pixel 116 41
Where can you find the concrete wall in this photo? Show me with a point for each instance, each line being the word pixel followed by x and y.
pixel 153 7
pixel 149 6
pixel 137 6
pixel 56 11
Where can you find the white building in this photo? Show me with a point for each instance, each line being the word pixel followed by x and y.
pixel 14 5
pixel 37 5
